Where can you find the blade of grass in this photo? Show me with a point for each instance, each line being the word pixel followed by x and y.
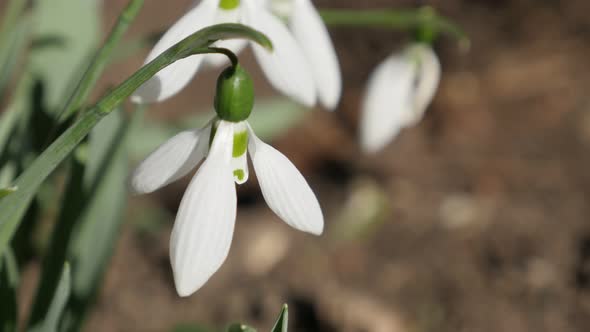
pixel 12 52
pixel 13 207
pixel 10 20
pixel 282 323
pixel 8 289
pixel 56 306
pixel 101 59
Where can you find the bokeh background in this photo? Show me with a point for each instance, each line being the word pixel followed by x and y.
pixel 477 219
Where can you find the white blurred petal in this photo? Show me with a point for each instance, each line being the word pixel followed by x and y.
pixel 234 45
pixel 284 189
pixel 313 37
pixel 173 78
pixel 171 161
pixel 286 67
pixel 204 225
pixel 427 80
pixel 387 102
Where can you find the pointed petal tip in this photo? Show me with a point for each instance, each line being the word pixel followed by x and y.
pixel 370 147
pixel 318 230
pixel 184 288
pixel 135 187
pixel 331 105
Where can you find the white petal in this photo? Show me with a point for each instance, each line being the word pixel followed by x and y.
pixel 234 45
pixel 204 226
pixel 171 161
pixel 313 37
pixel 387 102
pixel 286 67
pixel 285 190
pixel 428 78
pixel 173 78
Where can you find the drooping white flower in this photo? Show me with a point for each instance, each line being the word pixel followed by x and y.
pixel 399 91
pixel 204 225
pixel 303 64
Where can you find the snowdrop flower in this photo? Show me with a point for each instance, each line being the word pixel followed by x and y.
pixel 204 225
pixel 303 64
pixel 399 91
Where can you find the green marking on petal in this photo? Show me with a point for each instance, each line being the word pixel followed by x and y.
pixel 229 4
pixel 240 143
pixel 239 173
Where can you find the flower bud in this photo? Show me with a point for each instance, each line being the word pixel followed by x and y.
pixel 234 99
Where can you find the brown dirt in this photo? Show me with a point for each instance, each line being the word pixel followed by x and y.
pixel 488 221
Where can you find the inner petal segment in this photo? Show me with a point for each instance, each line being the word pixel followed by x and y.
pixel 229 4
pixel 240 156
pixel 282 8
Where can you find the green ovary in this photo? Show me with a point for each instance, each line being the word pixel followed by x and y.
pixel 239 173
pixel 229 4
pixel 240 144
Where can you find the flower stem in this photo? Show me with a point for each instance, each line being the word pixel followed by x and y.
pixel 231 55
pixel 395 19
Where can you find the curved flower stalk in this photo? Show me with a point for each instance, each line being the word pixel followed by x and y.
pixel 398 93
pixel 204 225
pixel 303 65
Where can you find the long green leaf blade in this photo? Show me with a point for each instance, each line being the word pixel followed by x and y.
pixel 57 305
pixel 8 290
pixel 282 323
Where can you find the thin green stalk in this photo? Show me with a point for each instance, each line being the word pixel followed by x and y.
pixel 394 19
pixel 13 207
pixel 13 33
pixel 13 12
pixel 100 60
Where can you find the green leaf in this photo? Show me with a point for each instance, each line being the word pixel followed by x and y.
pixel 7 191
pixel 13 207
pixel 8 293
pixel 12 49
pixel 73 27
pixel 283 321
pixel 56 307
